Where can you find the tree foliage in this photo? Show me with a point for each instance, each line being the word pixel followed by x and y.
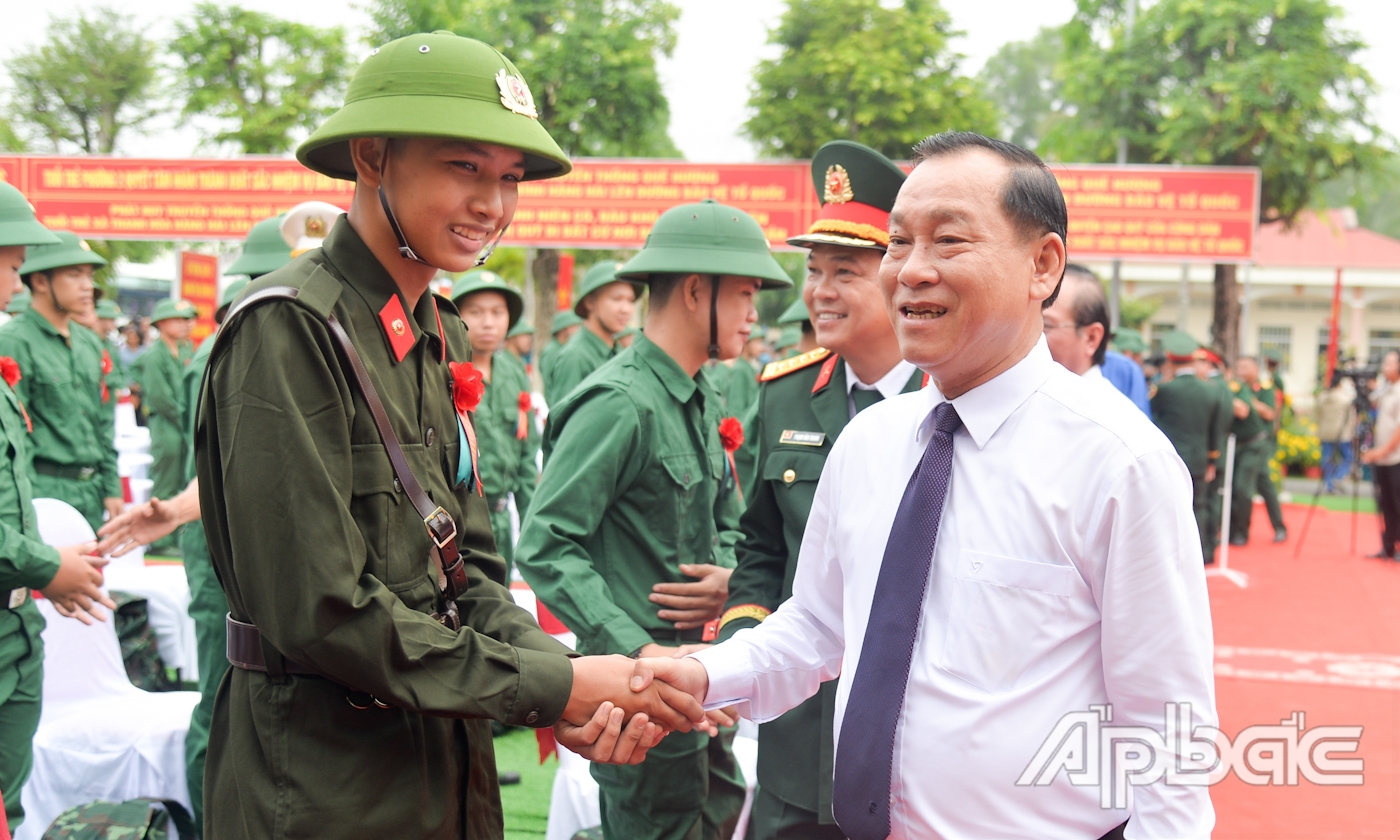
pixel 862 70
pixel 1020 79
pixel 93 78
pixel 591 64
pixel 262 78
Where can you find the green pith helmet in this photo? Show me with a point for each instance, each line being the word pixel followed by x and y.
pixel 168 308
pixel 795 314
pixel 18 226
pixel 108 309
pixel 598 276
pixel 435 85
pixel 263 251
pixel 489 281
pixel 230 294
pixel 1179 346
pixel 521 328
pixel 1129 340
pixel 788 338
pixel 20 302
pixel 69 250
pixel 857 187
pixel 563 320
pixel 706 238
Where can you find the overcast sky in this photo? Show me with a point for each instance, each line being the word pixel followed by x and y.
pixel 718 43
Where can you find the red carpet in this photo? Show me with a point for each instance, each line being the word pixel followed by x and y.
pixel 1268 635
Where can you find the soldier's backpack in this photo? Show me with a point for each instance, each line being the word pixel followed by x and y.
pixel 137 638
pixel 134 819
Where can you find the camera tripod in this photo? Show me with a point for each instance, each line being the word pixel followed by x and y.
pixel 1363 432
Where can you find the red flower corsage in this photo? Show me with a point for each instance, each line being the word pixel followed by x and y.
pixel 9 369
pixel 467 386
pixel 731 435
pixel 106 370
pixel 522 415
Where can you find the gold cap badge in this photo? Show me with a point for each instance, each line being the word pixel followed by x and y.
pixel 316 226
pixel 838 185
pixel 397 326
pixel 515 94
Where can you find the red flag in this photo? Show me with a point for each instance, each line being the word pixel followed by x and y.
pixel 1332 330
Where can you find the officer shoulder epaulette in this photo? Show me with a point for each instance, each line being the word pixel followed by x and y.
pixel 783 367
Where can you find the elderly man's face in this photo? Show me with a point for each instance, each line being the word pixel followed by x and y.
pixel 963 284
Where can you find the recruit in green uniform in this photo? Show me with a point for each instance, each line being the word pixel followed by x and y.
pixel 804 404
pixel 64 575
pixel 1264 485
pixel 372 639
pixel 62 385
pixel 1253 428
pixel 1190 413
pixel 561 330
pixel 520 341
pixel 505 419
pixel 605 306
pixel 160 372
pixel 117 374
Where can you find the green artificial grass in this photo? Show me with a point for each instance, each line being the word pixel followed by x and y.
pixel 1365 503
pixel 526 805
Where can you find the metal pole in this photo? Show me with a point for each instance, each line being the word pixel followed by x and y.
pixel 175 284
pixel 1244 312
pixel 1227 486
pixel 1115 286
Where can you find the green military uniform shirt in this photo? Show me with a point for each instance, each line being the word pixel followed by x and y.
pixel 584 353
pixel 630 491
pixel 118 377
pixel 160 374
pixel 1186 410
pixel 507 462
pixel 75 458
pixel 546 357
pixel 317 546
pixel 796 429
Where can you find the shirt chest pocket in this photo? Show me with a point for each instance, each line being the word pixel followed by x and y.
pixel 794 474
pixel 1006 615
pixel 681 486
pixel 374 503
pixel 52 386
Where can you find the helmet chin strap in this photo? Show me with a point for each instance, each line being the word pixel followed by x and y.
pixel 405 250
pixel 714 317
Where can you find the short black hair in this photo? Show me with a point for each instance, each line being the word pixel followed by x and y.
pixel 661 286
pixel 1090 305
pixel 1031 197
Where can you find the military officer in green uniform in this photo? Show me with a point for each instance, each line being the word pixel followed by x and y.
pixel 1265 484
pixel 804 403
pixel 372 640
pixel 66 576
pixel 1254 412
pixel 505 420
pixel 633 502
pixel 605 306
pixel 75 459
pixel 159 373
pixel 561 330
pixel 1188 411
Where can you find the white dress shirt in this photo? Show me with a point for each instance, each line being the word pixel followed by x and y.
pixel 1067 573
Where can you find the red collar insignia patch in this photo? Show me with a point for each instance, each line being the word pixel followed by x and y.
pixel 824 375
pixel 396 328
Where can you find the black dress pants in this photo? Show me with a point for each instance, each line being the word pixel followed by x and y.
pixel 1388 486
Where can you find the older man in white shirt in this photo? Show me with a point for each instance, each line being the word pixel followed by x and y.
pixel 989 555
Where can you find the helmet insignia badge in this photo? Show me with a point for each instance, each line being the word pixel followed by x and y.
pixel 838 185
pixel 315 227
pixel 515 94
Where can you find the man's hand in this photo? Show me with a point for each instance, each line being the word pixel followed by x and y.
pixel 604 740
pixel 654 650
pixel 1372 456
pixel 114 505
pixel 692 605
pixel 78 584
pixel 603 679
pixel 1241 408
pixel 143 524
pixel 686 675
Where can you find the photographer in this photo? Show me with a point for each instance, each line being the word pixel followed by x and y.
pixel 1384 457
pixel 1336 422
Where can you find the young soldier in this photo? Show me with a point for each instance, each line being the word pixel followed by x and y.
pixel 371 639
pixel 68 576
pixel 505 422
pixel 1188 411
pixel 804 404
pixel 631 498
pixel 520 341
pixel 159 373
pixel 75 458
pixel 605 304
pixel 561 331
pixel 1255 410
pixel 107 314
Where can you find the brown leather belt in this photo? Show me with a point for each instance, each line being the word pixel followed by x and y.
pixel 245 650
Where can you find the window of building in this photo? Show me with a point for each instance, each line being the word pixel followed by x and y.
pixel 1278 340
pixel 1382 342
pixel 1159 329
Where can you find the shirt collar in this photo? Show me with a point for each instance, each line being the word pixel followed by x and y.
pixel 890 385
pixel 986 407
pixel 45 325
pixel 672 377
pixel 1094 372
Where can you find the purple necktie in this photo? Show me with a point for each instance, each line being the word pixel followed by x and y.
pixel 865 751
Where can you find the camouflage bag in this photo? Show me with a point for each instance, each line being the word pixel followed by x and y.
pixel 140 653
pixel 134 819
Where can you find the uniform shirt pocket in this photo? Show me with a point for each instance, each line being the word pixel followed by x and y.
pixel 1006 615
pixel 685 473
pixel 50 387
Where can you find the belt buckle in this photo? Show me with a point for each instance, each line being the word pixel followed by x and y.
pixel 18 597
pixel 438 516
pixel 86 473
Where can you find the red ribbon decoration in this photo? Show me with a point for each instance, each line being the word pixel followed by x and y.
pixel 731 435
pixel 9 371
pixel 467 386
pixel 107 369
pixel 522 418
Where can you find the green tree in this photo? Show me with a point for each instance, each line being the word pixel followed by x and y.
pixel 92 79
pixel 1374 194
pixel 1020 80
pixel 262 78
pixel 1266 83
pixel 862 70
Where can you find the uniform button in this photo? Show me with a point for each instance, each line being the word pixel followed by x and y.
pixel 686 478
pixel 398 488
pixel 532 718
pixel 789 476
pixel 431 436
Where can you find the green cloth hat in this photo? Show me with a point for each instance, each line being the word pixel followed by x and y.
pixel 108 309
pixel 564 320
pixel 440 85
pixel 230 293
pixel 706 238
pixel 1129 340
pixel 599 275
pixel 857 187
pixel 69 250
pixel 795 314
pixel 20 302
pixel 264 250
pixel 788 338
pixel 18 225
pixel 521 328
pixel 482 280
pixel 1179 346
pixel 168 308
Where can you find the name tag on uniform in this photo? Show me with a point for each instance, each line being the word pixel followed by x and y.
pixel 802 438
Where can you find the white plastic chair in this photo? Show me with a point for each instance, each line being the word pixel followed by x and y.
pixel 100 737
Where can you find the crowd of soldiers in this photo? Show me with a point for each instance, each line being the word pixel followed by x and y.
pixel 359 465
